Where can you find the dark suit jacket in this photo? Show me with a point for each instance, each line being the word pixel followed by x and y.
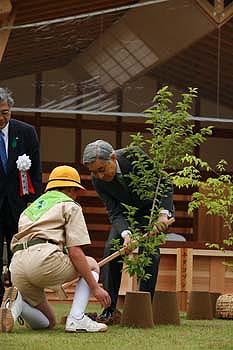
pixel 114 194
pixel 22 138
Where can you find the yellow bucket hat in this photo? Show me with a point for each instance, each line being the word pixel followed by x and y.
pixel 64 176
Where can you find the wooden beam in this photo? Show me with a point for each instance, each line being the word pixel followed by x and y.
pixel 219 10
pixel 7 18
pixel 56 9
pixel 5 8
pixel 219 14
pixel 207 8
pixel 228 14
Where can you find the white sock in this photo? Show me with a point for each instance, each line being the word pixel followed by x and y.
pixel 81 297
pixel 34 317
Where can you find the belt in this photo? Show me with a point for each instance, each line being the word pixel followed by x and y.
pixel 32 242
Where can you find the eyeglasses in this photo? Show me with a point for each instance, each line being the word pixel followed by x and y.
pixel 4 112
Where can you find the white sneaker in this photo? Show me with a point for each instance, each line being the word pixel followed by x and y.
pixel 11 309
pixel 84 325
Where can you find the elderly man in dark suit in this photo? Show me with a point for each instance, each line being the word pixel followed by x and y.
pixel 17 188
pixel 108 168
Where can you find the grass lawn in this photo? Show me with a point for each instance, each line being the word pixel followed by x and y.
pixel 190 335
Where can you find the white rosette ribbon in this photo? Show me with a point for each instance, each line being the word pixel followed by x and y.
pixel 24 164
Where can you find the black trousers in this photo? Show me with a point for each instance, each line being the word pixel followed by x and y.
pixel 8 227
pixel 113 270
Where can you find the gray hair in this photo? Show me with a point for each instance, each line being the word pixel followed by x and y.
pixel 5 96
pixel 98 149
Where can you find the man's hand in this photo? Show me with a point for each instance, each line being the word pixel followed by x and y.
pixel 126 244
pixel 102 296
pixel 126 235
pixel 163 221
pixel 161 225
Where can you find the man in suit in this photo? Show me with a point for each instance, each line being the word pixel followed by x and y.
pixel 16 138
pixel 108 168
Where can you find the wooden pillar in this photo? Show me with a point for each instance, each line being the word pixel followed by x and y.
pixel 78 135
pixel 159 84
pixel 38 101
pixel 197 123
pixel 197 154
pixel 119 120
pixel 189 270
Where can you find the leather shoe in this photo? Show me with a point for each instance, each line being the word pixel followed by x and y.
pixel 109 316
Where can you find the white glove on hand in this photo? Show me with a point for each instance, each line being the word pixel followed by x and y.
pixel 126 236
pixel 125 233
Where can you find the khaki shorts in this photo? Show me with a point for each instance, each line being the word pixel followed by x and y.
pixel 38 267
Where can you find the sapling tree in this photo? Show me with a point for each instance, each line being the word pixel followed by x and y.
pixel 215 193
pixel 172 136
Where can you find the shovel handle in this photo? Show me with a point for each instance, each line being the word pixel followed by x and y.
pixel 122 250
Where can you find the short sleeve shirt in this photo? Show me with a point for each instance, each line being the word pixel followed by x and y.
pixel 64 223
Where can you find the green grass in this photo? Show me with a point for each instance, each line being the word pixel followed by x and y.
pixel 190 335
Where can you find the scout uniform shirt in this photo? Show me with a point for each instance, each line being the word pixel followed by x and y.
pixel 53 216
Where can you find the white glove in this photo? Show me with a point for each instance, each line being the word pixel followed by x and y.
pixel 125 233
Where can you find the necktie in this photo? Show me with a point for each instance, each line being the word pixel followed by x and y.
pixel 3 155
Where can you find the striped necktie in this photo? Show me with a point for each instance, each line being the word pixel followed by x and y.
pixel 3 155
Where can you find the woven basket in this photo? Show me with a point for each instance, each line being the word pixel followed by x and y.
pixel 224 306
